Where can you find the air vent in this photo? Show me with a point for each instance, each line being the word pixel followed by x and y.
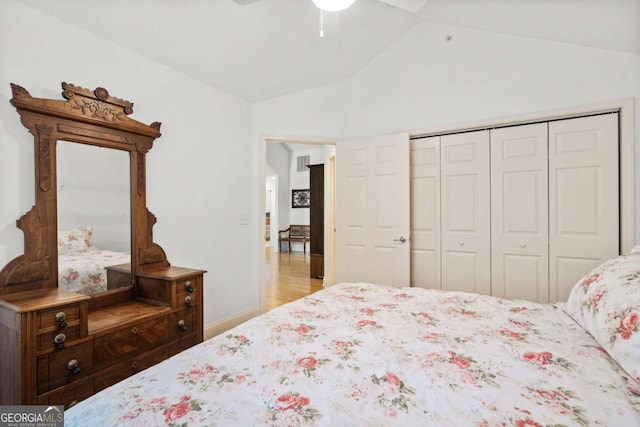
pixel 303 162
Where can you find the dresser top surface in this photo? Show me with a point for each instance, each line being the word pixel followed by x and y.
pixel 122 315
pixel 171 273
pixel 39 299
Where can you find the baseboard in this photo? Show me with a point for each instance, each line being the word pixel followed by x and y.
pixel 228 323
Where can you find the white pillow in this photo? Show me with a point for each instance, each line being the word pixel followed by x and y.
pixel 76 239
pixel 606 303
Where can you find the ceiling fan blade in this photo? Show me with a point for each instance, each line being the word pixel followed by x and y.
pixel 408 5
pixel 245 2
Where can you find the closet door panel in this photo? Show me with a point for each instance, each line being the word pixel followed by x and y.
pixel 583 198
pixel 353 217
pixel 465 212
pixel 425 212
pixel 524 277
pixel 519 212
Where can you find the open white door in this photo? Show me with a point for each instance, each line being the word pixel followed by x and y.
pixel 372 207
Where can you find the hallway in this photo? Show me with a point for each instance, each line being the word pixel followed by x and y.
pixel 288 277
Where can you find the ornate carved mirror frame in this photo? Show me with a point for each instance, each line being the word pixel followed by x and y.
pixel 86 117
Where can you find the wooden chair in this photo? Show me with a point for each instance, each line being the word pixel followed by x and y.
pixel 295 233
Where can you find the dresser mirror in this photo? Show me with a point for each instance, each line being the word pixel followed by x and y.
pixel 94 216
pixel 93 123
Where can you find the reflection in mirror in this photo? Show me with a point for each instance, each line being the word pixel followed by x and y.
pixel 93 216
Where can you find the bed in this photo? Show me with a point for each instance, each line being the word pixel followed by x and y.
pixel 360 354
pixel 81 266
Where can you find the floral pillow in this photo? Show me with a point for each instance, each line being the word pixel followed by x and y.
pixel 76 239
pixel 606 303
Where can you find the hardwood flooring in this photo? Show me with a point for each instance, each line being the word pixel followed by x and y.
pixel 288 278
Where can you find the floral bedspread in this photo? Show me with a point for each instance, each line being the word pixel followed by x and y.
pixel 83 271
pixel 367 355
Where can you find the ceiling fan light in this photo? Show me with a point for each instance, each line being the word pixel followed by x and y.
pixel 333 5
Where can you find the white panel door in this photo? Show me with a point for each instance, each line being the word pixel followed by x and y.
pixel 425 212
pixel 465 212
pixel 519 213
pixel 583 198
pixel 372 206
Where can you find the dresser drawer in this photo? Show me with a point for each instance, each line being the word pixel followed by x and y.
pixel 58 327
pixel 125 369
pixel 58 339
pixel 130 340
pixel 182 343
pixel 51 319
pixel 68 395
pixel 182 322
pixel 187 286
pixel 61 367
pixel 187 299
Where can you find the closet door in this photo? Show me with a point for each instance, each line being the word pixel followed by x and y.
pixel 583 198
pixel 465 221
pixel 425 212
pixel 519 213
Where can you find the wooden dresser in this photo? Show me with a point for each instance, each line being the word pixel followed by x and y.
pixel 56 351
pixel 60 347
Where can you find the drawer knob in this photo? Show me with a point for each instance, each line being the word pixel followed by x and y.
pixel 59 340
pixel 60 320
pixel 134 330
pixel 135 365
pixel 73 366
pixel 187 300
pixel 182 326
pixel 188 286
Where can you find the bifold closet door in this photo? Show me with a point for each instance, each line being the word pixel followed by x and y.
pixel 583 198
pixel 465 212
pixel 519 213
pixel 425 212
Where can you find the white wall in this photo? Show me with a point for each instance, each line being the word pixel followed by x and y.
pixel 198 185
pixel 321 112
pixel 278 161
pixel 424 82
pixel 271 208
pixel 300 180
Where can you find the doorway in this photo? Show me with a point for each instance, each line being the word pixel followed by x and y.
pixel 287 268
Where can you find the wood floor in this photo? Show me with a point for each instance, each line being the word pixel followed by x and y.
pixel 288 276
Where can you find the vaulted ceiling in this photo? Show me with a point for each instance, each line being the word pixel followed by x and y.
pixel 272 47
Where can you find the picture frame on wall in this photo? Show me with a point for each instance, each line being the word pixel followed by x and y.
pixel 301 198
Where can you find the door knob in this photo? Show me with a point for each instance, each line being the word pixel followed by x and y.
pixel 402 239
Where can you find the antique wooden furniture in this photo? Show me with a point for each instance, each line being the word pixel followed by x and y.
pixel 295 233
pixel 316 221
pixel 60 347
